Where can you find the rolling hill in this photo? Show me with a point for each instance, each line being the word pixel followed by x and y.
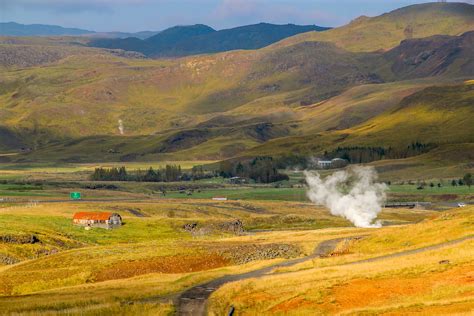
pixel 307 97
pixel 199 39
pixel 17 29
pixel 388 30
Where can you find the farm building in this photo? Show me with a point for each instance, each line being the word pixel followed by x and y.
pixel 219 198
pixel 237 180
pixel 330 164
pixel 105 220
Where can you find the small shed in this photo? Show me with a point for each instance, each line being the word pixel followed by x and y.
pixel 237 180
pixel 219 198
pixel 105 220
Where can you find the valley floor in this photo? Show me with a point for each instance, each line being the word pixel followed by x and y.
pixel 143 267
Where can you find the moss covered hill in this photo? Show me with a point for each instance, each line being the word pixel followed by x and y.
pixel 91 104
pixel 386 31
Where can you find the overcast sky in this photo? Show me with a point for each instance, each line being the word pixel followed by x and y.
pixel 140 15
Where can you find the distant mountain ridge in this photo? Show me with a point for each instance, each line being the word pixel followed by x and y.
pixel 201 39
pixel 17 29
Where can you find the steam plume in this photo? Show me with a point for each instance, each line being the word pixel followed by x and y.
pixel 120 127
pixel 352 194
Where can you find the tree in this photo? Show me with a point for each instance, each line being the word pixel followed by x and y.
pixel 454 183
pixel 468 179
pixel 432 184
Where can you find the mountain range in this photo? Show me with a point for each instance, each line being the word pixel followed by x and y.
pixel 380 84
pixel 17 29
pixel 199 39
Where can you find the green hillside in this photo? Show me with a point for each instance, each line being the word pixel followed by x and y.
pixel 67 102
pixel 388 30
pixel 437 115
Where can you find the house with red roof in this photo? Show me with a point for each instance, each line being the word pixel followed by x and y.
pixel 105 220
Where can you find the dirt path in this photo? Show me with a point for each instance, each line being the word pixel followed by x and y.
pixel 413 251
pixel 194 300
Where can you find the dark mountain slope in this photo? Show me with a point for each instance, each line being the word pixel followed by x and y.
pixel 199 39
pixel 244 37
pixel 16 29
pixel 9 140
pixel 417 58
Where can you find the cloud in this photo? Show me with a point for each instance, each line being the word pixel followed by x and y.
pixel 253 11
pixel 70 6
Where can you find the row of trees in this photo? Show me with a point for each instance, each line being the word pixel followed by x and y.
pixel 260 169
pixel 355 154
pixel 167 174
pixel 360 154
pixel 465 180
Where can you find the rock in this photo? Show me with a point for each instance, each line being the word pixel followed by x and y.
pixel 190 227
pixel 247 253
pixel 19 239
pixel 235 227
pixel 444 262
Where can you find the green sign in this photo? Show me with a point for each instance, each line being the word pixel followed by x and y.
pixel 75 195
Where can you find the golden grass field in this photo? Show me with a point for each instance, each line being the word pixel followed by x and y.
pixel 139 268
pixel 416 283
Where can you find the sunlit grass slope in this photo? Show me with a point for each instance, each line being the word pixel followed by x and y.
pixel 139 268
pixel 98 105
pixel 388 30
pixel 435 281
pixel 439 115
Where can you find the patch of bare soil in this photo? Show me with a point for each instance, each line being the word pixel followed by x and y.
pixel 172 264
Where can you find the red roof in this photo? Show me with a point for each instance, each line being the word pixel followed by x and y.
pixel 97 216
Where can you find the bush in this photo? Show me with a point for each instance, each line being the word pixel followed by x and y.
pixel 259 169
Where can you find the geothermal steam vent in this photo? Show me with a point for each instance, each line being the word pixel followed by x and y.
pixel 352 194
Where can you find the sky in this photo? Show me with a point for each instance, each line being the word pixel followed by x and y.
pixel 155 15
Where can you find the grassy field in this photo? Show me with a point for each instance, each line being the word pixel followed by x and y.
pixel 409 283
pixel 151 259
pixel 141 267
pixel 284 194
pixel 56 181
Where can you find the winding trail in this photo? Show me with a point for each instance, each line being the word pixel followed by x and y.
pixel 193 301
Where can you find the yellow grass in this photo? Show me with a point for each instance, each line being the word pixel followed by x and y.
pixel 413 282
pixel 98 271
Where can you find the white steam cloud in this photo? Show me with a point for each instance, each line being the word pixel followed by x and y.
pixel 352 194
pixel 120 127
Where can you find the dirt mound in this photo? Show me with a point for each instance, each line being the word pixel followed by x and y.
pixel 247 253
pixel 233 227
